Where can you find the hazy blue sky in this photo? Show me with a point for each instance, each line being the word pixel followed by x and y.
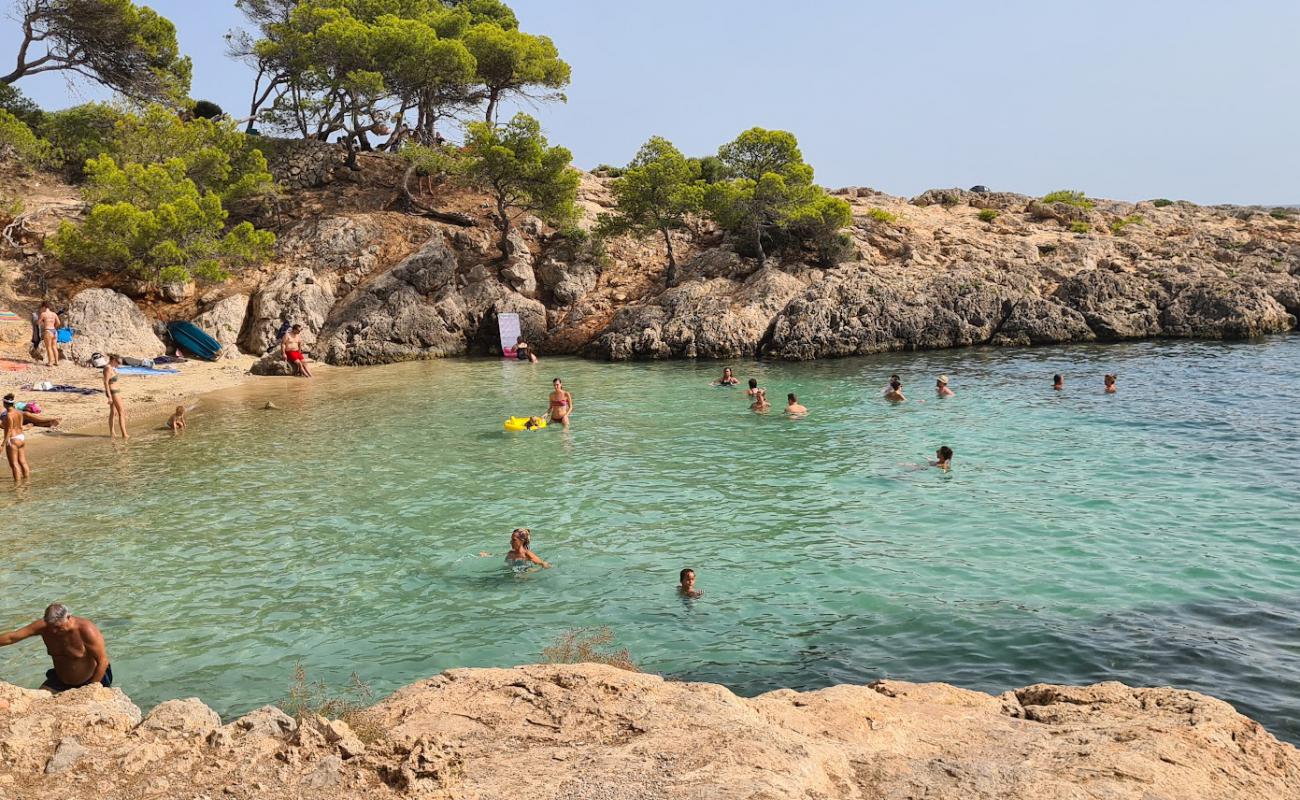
pixel 1159 98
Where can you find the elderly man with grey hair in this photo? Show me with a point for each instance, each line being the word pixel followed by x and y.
pixel 75 645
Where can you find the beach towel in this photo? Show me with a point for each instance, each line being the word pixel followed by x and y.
pixel 9 365
pixel 9 316
pixel 64 335
pixel 170 360
pixel 129 370
pixel 61 387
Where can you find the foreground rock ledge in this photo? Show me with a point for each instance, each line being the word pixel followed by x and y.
pixel 594 732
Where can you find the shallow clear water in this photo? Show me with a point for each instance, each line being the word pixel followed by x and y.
pixel 1148 537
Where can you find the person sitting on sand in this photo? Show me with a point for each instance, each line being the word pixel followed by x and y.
pixel 894 393
pixel 291 347
pixel 760 404
pixel 75 646
pixel 792 406
pixel 523 352
pixel 15 440
pixel 32 414
pixel 943 458
pixel 686 584
pixel 561 403
pixel 116 411
pixel 1058 383
pixel 519 554
pixel 177 421
pixel 941 387
pixel 727 378
pixel 1110 384
pixel 753 389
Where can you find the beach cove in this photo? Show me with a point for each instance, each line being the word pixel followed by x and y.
pixel 1139 537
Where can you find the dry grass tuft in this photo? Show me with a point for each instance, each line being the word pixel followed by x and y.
pixel 588 645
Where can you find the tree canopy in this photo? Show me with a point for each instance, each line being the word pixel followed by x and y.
pixel 517 166
pixel 130 49
pixel 656 194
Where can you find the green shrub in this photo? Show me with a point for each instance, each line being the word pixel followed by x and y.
pixel 1161 202
pixel 152 222
pixel 607 171
pixel 881 215
pixel 29 147
pixel 588 646
pixel 1282 213
pixel 988 214
pixel 307 699
pixel 1068 197
pixel 1119 225
pixel 81 133
pixel 1080 227
pixel 21 106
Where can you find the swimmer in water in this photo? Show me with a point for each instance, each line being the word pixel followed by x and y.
pixel 894 393
pixel 686 584
pixel 760 404
pixel 1110 384
pixel 177 421
pixel 943 458
pixel 753 390
pixel 941 387
pixel 727 378
pixel 561 403
pixel 1058 383
pixel 519 554
pixel 792 406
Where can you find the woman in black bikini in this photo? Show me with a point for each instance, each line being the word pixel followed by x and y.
pixel 116 413
pixel 727 378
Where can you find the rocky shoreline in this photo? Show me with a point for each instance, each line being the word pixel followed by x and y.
pixel 600 733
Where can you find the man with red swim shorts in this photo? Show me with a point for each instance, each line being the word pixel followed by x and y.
pixel 291 346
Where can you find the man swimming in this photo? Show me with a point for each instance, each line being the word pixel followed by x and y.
pixel 943 458
pixel 291 347
pixel 75 646
pixel 686 584
pixel 792 406
pixel 1058 383
pixel 941 387
pixel 15 440
pixel 894 393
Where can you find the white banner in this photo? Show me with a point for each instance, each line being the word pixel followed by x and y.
pixel 509 327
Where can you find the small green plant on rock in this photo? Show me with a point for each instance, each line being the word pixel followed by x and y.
pixel 881 215
pixel 588 645
pixel 1080 227
pixel 1070 198
pixel 1119 225
pixel 1161 202
pixel 988 214
pixel 1281 213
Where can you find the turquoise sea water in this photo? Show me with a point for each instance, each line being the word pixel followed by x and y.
pixel 1148 537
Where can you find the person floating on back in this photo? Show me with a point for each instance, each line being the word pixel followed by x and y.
pixel 49 325
pixel 75 646
pixel 943 458
pixel 792 406
pixel 1058 383
pixel 177 421
pixel 686 584
pixel 291 347
pixel 1110 384
pixel 941 387
pixel 727 378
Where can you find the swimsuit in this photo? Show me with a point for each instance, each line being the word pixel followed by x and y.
pixel 294 355
pixel 53 681
pixel 521 353
pixel 17 438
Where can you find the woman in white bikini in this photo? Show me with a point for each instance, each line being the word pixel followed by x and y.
pixel 15 440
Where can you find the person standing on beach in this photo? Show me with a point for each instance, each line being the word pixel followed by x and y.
pixel 116 412
pixel 75 646
pixel 15 440
pixel 291 347
pixel 561 403
pixel 48 322
pixel 941 387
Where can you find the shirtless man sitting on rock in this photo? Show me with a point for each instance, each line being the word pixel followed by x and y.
pixel 75 646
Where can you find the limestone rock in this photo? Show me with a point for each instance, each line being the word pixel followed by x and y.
pixel 265 721
pixel 567 282
pixel 104 321
pixel 519 275
pixel 1115 305
pixel 189 717
pixel 223 320
pixel 177 291
pixel 65 757
pixel 293 295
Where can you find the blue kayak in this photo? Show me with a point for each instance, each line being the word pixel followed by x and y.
pixel 191 338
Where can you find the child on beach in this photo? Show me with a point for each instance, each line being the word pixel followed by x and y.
pixel 177 421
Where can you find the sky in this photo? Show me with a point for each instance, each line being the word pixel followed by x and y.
pixel 1184 99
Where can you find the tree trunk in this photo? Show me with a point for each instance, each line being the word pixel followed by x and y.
pixel 758 245
pixel 491 115
pixel 670 277
pixel 503 218
pixel 413 205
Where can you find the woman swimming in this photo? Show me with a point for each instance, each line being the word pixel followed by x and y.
pixel 523 352
pixel 1110 384
pixel 561 403
pixel 520 555
pixel 753 389
pixel 727 378
pixel 116 413
pixel 760 404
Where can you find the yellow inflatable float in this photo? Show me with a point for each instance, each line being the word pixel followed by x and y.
pixel 525 424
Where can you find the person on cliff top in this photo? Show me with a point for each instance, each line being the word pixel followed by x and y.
pixel 561 403
pixel 792 406
pixel 941 387
pixel 686 584
pixel 75 646
pixel 753 389
pixel 15 440
pixel 291 347
pixel 1110 384
pixel 760 404
pixel 943 458
pixel 520 555
pixel 894 393
pixel 49 322
pixel 727 378
pixel 523 352
pixel 1058 382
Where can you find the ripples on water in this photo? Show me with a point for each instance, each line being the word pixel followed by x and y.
pixel 1147 537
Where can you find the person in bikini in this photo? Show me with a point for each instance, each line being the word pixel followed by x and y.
pixel 561 403
pixel 15 440
pixel 291 347
pixel 116 411
pixel 519 554
pixel 523 352
pixel 48 322
pixel 75 646
pixel 727 378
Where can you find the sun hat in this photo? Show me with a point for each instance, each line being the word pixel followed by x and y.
pixel 943 379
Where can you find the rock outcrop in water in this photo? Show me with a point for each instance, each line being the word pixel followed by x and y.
pixel 590 731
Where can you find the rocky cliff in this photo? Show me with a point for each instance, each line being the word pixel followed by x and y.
pixel 373 282
pixel 598 733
